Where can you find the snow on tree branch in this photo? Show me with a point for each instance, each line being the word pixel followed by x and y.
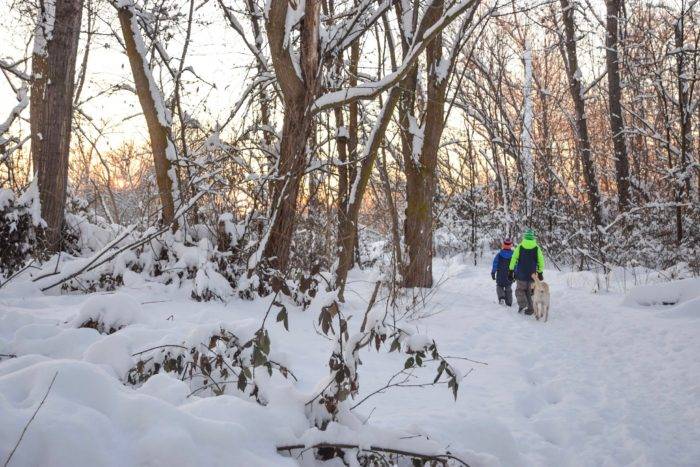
pixel 369 90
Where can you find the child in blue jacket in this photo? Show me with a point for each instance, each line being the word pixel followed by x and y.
pixel 499 273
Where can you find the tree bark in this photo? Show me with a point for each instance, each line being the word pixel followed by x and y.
pixel 53 70
pixel 617 123
pixel 153 108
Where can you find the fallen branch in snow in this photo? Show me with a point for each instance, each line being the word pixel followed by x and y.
pixel 7 462
pixel 92 260
pixel 18 273
pixel 441 459
pixel 93 263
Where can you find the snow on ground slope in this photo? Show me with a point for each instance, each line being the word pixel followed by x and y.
pixel 605 382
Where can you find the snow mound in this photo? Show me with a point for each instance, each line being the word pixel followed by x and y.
pixel 167 388
pixel 114 352
pixel 90 418
pixel 108 313
pixel 669 293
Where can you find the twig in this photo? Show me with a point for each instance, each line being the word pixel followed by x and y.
pixel 465 358
pixel 159 347
pixel 400 384
pixel 7 462
pixel 18 273
pixel 370 305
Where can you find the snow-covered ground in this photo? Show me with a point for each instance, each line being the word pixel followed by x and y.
pixel 608 381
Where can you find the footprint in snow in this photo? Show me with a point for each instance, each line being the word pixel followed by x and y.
pixel 553 430
pixel 552 393
pixel 529 403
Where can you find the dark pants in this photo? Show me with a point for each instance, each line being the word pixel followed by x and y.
pixel 523 292
pixel 505 293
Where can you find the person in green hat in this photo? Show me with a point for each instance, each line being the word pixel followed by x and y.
pixel 527 259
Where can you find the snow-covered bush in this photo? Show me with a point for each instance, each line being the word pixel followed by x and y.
pixel 85 232
pixel 167 258
pixel 466 224
pixel 20 228
pixel 331 402
pixel 313 242
pixel 109 313
pixel 665 294
pixel 213 361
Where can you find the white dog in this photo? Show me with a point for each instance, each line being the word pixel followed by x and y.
pixel 540 298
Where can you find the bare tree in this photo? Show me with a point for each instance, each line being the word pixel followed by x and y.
pixel 421 164
pixel 685 88
pixel 577 91
pixel 154 110
pixel 617 123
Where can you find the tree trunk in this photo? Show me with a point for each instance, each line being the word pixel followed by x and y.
pixel 297 95
pixel 153 109
pixel 686 125
pixel 617 124
pixel 347 229
pixel 295 131
pixel 393 213
pixel 528 169
pixel 353 130
pixel 421 174
pixel 577 91
pixel 526 134
pixel 53 70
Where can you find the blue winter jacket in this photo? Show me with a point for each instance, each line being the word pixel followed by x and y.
pixel 500 267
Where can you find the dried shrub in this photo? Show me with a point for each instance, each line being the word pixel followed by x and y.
pixel 212 367
pixel 100 327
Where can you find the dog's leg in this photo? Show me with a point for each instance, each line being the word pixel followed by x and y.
pixel 546 312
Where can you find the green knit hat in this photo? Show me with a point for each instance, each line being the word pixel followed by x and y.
pixel 529 234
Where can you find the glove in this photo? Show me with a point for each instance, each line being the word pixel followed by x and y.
pixel 511 275
pixel 493 275
pixel 540 276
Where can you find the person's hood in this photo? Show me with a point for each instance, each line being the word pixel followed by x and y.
pixel 528 244
pixel 506 252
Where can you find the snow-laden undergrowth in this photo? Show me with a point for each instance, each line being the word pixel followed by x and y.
pixel 608 381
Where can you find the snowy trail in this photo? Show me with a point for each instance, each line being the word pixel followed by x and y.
pixel 600 384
